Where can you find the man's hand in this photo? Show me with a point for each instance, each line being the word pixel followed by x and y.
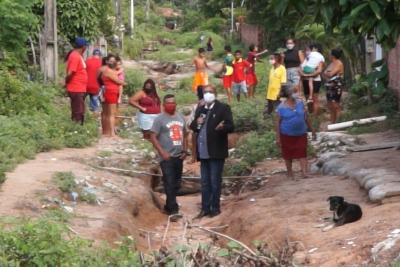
pixel 165 155
pixel 220 126
pixel 200 120
pixel 183 155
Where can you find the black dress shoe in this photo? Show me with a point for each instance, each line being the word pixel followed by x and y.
pixel 201 215
pixel 214 213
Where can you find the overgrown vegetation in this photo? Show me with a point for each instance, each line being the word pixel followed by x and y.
pixel 66 182
pixel 48 242
pixel 33 121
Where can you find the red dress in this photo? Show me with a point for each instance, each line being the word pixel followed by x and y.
pixel 111 93
pixel 251 77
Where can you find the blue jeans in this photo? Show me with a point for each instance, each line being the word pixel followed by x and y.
pixel 211 180
pixel 94 102
pixel 172 177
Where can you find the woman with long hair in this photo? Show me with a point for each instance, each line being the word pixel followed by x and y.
pixel 148 103
pixel 111 96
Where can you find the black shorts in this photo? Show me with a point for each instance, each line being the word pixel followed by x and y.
pixel 306 87
pixel 333 94
pixel 334 90
pixel 200 94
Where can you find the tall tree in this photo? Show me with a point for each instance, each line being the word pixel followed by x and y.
pixel 16 23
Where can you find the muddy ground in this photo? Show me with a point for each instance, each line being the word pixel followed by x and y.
pixel 281 210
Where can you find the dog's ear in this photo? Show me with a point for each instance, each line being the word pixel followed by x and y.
pixel 329 198
pixel 341 200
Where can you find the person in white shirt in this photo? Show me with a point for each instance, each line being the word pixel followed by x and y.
pixel 310 71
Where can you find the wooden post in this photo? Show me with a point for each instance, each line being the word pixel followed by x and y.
pixel 48 42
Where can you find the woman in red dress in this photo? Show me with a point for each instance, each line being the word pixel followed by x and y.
pixel 111 96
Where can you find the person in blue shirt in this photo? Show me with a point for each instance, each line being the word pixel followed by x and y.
pixel 291 131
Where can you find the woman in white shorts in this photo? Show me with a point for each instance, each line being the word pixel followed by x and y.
pixel 149 105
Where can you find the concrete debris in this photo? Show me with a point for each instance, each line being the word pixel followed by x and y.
pixel 380 183
pixel 386 244
pixel 68 209
pixel 312 250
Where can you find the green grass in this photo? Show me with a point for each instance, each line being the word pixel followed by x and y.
pixel 170 54
pixel 65 181
pixel 48 242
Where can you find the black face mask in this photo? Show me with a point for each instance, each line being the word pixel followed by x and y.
pixel 112 65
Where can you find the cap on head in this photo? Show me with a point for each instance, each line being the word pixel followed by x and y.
pixel 96 52
pixel 80 42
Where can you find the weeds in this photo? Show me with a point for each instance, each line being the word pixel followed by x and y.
pixel 66 182
pixel 43 242
pixel 134 80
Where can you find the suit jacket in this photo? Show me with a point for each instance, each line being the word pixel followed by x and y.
pixel 217 140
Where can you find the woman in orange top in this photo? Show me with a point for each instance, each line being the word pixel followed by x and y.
pixel 111 96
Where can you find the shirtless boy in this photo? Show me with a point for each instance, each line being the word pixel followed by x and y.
pixel 200 79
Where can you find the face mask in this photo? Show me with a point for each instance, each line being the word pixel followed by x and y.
pixel 112 65
pixel 170 108
pixel 295 95
pixel 272 61
pixel 290 46
pixel 209 98
pixel 147 89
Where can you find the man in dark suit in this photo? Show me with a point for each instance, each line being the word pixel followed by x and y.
pixel 212 124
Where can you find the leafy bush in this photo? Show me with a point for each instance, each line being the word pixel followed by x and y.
pixel 31 122
pixel 215 25
pixel 134 80
pixel 191 20
pixel 256 147
pixel 44 242
pixel 133 47
pixel 247 116
pixel 65 181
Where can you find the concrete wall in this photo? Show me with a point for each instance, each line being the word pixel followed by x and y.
pixel 394 69
pixel 251 34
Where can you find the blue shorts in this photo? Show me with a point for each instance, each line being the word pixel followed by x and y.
pixel 239 88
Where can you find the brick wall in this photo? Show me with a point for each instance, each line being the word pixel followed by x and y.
pixel 251 34
pixel 394 69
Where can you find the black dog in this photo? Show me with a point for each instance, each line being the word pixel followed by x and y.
pixel 344 212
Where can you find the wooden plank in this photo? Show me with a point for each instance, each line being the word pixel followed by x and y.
pixel 374 147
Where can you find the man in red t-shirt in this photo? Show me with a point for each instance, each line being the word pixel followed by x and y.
pixel 93 64
pixel 76 80
pixel 239 75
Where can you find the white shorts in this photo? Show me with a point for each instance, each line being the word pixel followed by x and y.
pixel 145 121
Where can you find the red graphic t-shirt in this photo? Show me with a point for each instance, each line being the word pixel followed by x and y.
pixel 93 64
pixel 79 79
pixel 239 68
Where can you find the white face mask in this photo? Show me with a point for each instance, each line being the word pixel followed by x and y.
pixel 272 61
pixel 209 98
pixel 290 46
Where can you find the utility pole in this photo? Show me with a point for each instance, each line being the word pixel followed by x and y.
pixel 232 17
pixel 132 17
pixel 147 9
pixel 119 22
pixel 48 42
